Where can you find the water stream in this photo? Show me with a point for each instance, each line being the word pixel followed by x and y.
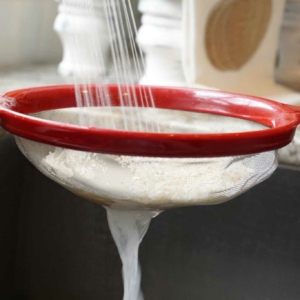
pixel 128 229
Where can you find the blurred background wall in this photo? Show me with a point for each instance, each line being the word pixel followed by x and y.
pixel 26 34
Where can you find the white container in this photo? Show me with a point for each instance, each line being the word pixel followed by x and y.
pixel 90 29
pixel 161 38
pixel 217 40
pixel 26 33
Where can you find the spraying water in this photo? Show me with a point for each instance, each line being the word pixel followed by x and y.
pixel 127 227
pixel 128 62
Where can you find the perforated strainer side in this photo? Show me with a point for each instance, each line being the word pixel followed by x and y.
pixel 152 183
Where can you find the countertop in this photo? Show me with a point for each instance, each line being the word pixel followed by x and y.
pixel 29 76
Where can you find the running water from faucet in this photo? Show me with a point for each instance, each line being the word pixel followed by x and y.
pixel 127 227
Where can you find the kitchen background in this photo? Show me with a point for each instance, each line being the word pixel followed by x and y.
pixel 54 245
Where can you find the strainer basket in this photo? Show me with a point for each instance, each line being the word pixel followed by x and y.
pixel 213 145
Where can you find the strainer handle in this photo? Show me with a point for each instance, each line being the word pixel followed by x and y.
pixel 296 110
pixel 3 103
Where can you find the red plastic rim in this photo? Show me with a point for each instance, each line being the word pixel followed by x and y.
pixel 281 119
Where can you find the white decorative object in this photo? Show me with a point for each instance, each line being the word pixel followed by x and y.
pixel 161 38
pixel 232 45
pixel 288 70
pixel 76 18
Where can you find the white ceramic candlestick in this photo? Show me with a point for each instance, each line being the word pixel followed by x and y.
pixel 72 19
pixel 161 37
